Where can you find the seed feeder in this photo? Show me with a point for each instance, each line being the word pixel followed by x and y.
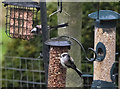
pixel 21 17
pixel 105 42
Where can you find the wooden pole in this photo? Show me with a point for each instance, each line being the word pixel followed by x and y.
pixel 74 30
pixel 108 37
pixel 56 73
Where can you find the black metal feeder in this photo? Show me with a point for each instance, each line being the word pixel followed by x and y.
pixel 21 17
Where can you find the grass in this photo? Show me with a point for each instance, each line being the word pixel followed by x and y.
pixel 4 39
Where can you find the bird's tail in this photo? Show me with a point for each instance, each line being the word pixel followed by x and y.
pixel 78 71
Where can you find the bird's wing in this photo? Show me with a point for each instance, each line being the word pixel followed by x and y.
pixel 34 30
pixel 71 59
pixel 70 64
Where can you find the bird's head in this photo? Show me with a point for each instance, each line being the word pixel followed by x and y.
pixel 65 56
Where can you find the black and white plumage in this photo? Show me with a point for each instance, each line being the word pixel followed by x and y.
pixel 68 62
pixel 37 29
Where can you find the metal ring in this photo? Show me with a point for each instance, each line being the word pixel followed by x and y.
pixel 92 59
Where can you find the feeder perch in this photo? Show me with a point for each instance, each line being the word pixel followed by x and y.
pixel 21 17
pixel 87 77
pixel 56 72
pixel 105 45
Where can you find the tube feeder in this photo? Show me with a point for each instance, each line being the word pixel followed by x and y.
pixel 21 17
pixel 105 45
pixel 56 72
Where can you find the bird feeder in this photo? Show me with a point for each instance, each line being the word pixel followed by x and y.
pixel 56 72
pixel 21 17
pixel 105 45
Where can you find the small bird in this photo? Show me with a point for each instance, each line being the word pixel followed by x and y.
pixel 68 62
pixel 37 29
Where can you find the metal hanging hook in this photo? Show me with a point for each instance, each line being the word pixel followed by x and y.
pixel 59 9
pixel 60 5
pixel 98 14
pixel 79 43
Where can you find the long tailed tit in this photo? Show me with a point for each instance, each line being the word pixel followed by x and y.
pixel 37 29
pixel 68 62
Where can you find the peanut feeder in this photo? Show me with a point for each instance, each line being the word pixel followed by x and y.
pixel 56 72
pixel 21 18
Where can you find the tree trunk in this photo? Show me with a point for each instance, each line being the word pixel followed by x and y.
pixel 74 30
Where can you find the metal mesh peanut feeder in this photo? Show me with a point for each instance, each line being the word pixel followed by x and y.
pixel 57 73
pixel 21 17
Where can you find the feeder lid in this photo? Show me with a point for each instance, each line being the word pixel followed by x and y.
pixel 22 3
pixel 58 42
pixel 105 15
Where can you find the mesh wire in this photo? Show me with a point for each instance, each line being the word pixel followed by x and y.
pixel 22 72
pixel 29 72
pixel 20 21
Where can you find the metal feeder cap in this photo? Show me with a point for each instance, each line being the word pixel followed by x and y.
pixel 58 42
pixel 105 15
pixel 29 3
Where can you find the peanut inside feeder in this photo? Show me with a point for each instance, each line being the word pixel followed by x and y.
pixel 21 23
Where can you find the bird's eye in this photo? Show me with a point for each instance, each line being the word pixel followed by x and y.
pixel 64 55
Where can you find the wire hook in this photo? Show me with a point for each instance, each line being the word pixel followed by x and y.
pixel 59 9
pixel 79 43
